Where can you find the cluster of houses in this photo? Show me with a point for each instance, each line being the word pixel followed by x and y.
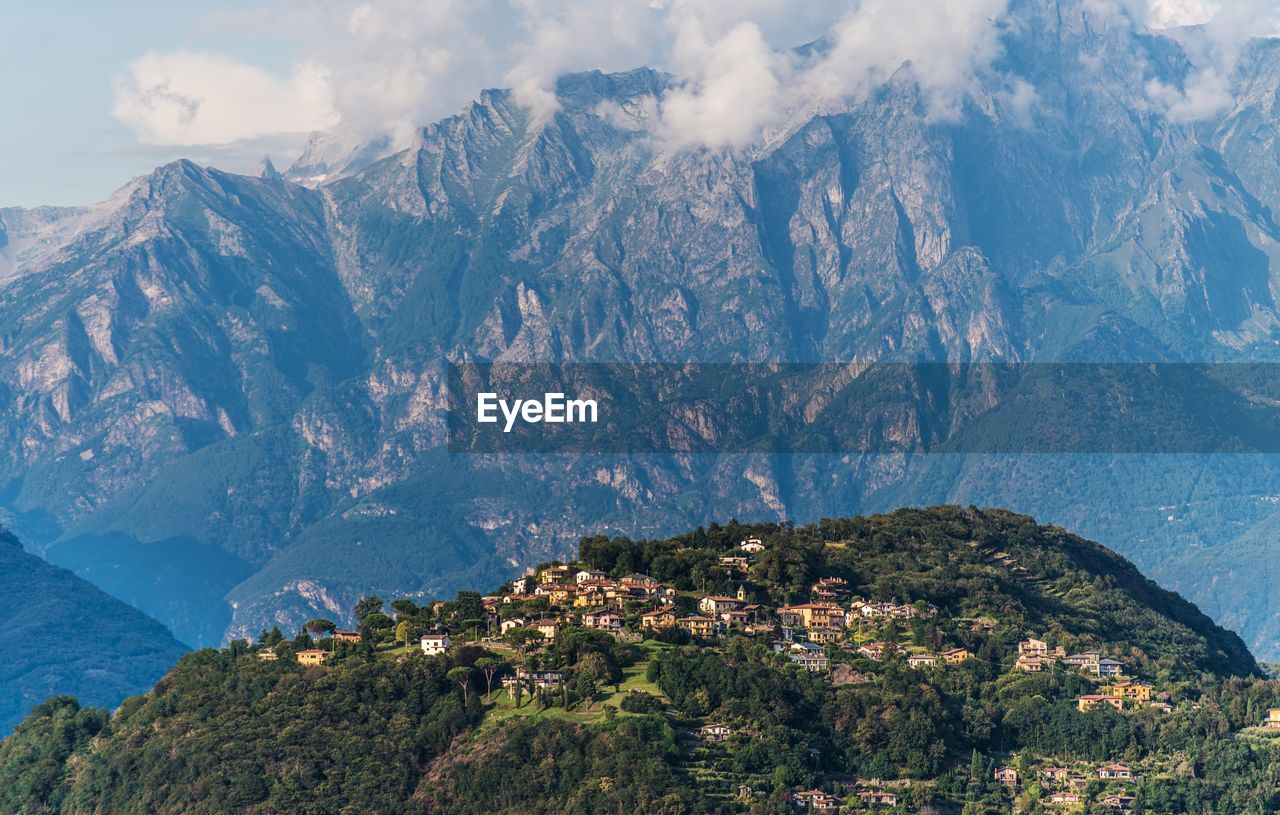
pixel 1035 656
pixel 1065 786
pixel 1123 694
pixel 312 657
pixel 893 611
pixel 638 604
pixel 876 651
pixel 869 794
pixel 591 599
pixel 585 588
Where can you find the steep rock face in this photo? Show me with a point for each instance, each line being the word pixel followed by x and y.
pixel 246 374
pixel 205 306
pixel 1246 137
pixel 199 307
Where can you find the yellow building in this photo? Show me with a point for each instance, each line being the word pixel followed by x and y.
pixel 659 618
pixel 312 656
pixel 1087 703
pixel 1273 718
pixel 813 615
pixel 699 626
pixel 553 574
pixel 823 635
pixel 1131 691
pixel 547 628
pixel 560 595
pixel 955 656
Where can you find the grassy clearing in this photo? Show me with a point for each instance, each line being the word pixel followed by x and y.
pixel 635 679
pixel 503 707
pixel 393 652
pixel 1260 736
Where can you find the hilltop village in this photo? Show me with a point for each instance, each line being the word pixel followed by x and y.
pixel 556 638
pixel 944 661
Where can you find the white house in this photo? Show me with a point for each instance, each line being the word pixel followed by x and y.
pixel 435 643
pixel 751 545
pixel 714 606
pixel 714 732
pixel 540 680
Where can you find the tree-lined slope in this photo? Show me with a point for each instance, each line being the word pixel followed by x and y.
pixel 378 727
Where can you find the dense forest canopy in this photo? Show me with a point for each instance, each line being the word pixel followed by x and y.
pixel 967 562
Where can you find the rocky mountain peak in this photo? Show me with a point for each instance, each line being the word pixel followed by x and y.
pixel 266 170
pixel 246 373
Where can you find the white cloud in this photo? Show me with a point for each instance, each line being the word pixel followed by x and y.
pixel 733 93
pixel 1020 101
pixel 1175 13
pixel 686 37
pixel 1215 48
pixel 947 44
pixel 391 66
pixel 392 62
pixel 387 67
pixel 738 84
pixel 1206 93
pixel 187 98
pixel 564 35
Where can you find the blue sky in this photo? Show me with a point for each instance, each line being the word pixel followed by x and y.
pixel 60 143
pixel 103 92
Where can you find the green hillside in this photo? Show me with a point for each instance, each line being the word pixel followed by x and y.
pixel 923 697
pixel 63 635
pixel 966 562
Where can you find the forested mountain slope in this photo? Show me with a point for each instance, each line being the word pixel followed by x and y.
pixel 383 728
pixel 63 635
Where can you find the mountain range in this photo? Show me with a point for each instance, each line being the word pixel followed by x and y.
pixel 224 396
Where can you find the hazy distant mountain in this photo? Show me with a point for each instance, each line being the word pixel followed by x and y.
pixel 64 636
pixel 224 394
pixel 328 156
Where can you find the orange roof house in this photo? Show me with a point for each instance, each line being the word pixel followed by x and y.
pixel 1088 702
pixel 659 618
